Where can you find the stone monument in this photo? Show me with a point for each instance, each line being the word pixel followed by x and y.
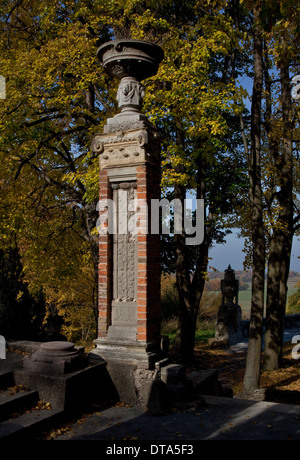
pixel 228 324
pixel 129 337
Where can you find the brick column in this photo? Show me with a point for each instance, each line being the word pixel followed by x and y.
pixel 129 324
pixel 105 264
pixel 148 288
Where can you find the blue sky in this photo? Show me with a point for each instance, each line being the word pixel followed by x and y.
pixel 231 253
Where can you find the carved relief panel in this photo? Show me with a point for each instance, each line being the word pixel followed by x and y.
pixel 124 257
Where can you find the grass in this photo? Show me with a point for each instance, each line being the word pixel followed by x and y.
pixel 204 335
pixel 245 296
pixel 204 330
pixel 200 336
pixel 209 307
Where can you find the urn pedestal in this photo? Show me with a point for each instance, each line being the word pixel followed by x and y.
pixel 129 338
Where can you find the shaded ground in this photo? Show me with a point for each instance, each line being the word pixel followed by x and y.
pixel 243 417
pixel 256 416
pixel 282 385
pixel 218 419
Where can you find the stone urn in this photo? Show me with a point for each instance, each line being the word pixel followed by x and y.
pixel 130 61
pixel 130 58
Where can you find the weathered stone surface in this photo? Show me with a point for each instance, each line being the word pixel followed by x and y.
pixel 71 390
pixel 130 58
pixel 2 347
pixel 228 329
pixel 121 374
pixel 204 381
pixel 56 358
pixel 130 95
pixel 173 374
pixel 129 269
pixel 127 147
pixel 143 355
pixel 150 390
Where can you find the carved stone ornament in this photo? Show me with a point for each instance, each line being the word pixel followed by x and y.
pixel 130 58
pixel 125 148
pixel 130 95
pixel 129 61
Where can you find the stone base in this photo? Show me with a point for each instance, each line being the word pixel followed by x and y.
pixel 155 388
pixel 136 385
pixel 218 342
pixel 125 121
pixel 149 379
pixel 56 358
pixel 134 369
pixel 69 391
pixel 141 354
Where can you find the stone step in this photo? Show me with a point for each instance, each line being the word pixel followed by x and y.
pixel 30 425
pixel 201 382
pixel 16 399
pixel 6 379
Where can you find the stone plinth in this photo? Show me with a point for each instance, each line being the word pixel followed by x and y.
pixel 69 391
pixel 56 358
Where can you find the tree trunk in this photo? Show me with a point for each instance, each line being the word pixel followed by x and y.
pixel 183 348
pixel 252 372
pixel 273 317
pixel 280 249
pixel 287 192
pixel 89 217
pixel 285 269
pixel 190 286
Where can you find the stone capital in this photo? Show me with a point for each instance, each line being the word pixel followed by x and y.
pixel 127 148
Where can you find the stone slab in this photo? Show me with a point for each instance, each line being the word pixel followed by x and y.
pixel 25 346
pixel 69 390
pixel 11 403
pixel 29 424
pixel 173 374
pixel 205 381
pixel 140 354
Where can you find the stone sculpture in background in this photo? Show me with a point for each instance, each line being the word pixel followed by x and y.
pixel 228 325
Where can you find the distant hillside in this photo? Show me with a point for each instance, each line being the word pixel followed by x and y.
pixel 245 279
pixel 294 276
pixel 246 276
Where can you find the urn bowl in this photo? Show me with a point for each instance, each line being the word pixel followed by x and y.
pixel 130 58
